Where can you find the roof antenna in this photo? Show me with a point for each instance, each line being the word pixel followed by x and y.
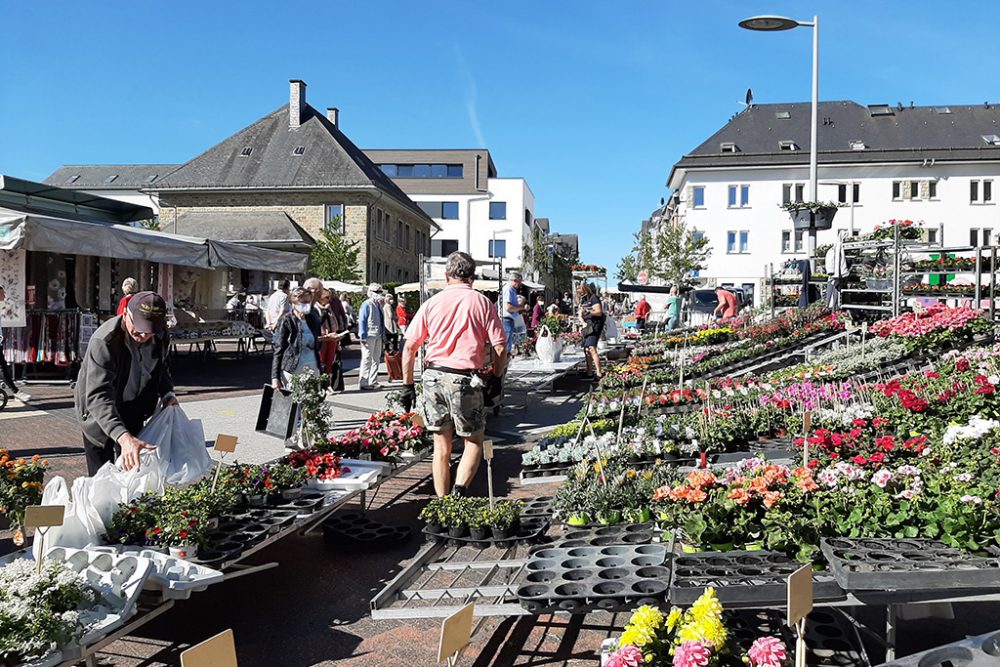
pixel 899 106
pixel 749 99
pixel 986 104
pixel 911 104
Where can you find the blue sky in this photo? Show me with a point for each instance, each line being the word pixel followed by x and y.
pixel 591 102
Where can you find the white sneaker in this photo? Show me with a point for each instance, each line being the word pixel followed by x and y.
pixel 23 397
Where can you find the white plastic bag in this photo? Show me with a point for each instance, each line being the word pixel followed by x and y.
pixel 180 456
pixel 79 528
pixel 548 349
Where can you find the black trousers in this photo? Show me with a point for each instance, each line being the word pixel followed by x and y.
pixel 98 455
pixel 8 376
pixel 640 323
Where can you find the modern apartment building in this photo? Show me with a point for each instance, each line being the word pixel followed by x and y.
pixel 939 165
pixel 489 217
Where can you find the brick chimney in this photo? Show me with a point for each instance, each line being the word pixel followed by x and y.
pixel 333 115
pixel 296 101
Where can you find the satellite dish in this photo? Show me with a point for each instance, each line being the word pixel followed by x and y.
pixel 749 101
pixel 662 202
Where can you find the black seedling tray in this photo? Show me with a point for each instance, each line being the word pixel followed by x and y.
pixel 606 536
pixel 980 651
pixel 905 564
pixel 306 505
pixel 529 531
pixel 743 577
pixel 354 529
pixel 540 506
pixel 582 579
pixel 546 469
pixel 831 639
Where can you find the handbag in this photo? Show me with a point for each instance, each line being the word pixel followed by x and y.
pixel 394 365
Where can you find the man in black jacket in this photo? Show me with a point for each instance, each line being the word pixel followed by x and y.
pixel 123 376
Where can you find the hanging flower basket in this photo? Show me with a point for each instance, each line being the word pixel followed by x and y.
pixel 812 217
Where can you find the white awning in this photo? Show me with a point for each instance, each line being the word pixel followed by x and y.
pixel 342 287
pixel 479 285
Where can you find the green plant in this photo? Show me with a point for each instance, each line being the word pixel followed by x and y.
pixel 504 514
pixel 133 523
pixel 813 206
pixel 431 512
pixel 285 477
pixel 334 257
pixel 309 391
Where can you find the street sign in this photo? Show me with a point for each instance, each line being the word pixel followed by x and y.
pixel 643 277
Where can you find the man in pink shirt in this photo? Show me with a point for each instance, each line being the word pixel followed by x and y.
pixel 456 325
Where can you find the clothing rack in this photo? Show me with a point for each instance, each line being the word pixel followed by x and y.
pixel 46 348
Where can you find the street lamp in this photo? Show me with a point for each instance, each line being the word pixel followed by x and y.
pixel 493 254
pixel 777 23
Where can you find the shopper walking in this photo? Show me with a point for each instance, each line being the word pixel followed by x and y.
pixel 339 321
pixel 122 378
pixel 456 325
pixel 512 308
pixel 371 331
pixel 566 304
pixel 5 373
pixel 129 287
pixel 402 314
pixel 298 341
pixel 642 310
pixel 330 337
pixel 673 308
pixel 277 306
pixel 592 315
pixel 537 313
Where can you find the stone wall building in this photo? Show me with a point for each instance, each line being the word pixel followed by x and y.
pixel 295 167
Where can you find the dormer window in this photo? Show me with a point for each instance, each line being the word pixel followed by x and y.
pixel 858 145
pixel 782 115
pixel 881 110
pixel 991 139
pixel 111 179
pixel 728 147
pixel 787 145
pixel 246 151
pixel 72 179
pixel 942 110
pixel 299 150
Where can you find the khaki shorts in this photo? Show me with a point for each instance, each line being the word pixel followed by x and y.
pixel 450 402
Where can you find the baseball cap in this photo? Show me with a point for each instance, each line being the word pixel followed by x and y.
pixel 149 312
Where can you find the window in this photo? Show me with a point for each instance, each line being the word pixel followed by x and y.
pixel 982 236
pixel 444 247
pixel 299 150
pixel 790 190
pixel 791 241
pixel 378 271
pixel 498 210
pixel 787 145
pixel 386 228
pixel 932 189
pixel 698 194
pixel 399 233
pixel 739 196
pixel 980 191
pixel 782 115
pixel 842 193
pixel 449 210
pixel 335 218
pixel 728 147
pixel 932 236
pixel 857 145
pixel 246 151
pixel 914 190
pixel 435 170
pixel 408 237
pixel 498 248
pixel 991 139
pixel 738 242
pixel 897 190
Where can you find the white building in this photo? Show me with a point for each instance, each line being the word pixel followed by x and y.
pixel 935 165
pixel 489 217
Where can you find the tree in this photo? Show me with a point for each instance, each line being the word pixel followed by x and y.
pixel 679 252
pixel 550 261
pixel 334 257
pixel 641 258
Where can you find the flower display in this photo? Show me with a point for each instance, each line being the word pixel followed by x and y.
pixel 20 487
pixel 322 466
pixel 767 652
pixel 383 437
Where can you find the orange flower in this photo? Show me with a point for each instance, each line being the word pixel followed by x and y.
pixel 739 496
pixel 771 498
pixel 775 474
pixel 807 484
pixel 696 496
pixel 699 479
pixel 35 457
pixel 801 472
pixel 680 492
pixel 661 494
pixel 758 485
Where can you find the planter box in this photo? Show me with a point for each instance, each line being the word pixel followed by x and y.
pixel 822 218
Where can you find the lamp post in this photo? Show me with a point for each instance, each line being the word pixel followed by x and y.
pixel 493 254
pixel 778 23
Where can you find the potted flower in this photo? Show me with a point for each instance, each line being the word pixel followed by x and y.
pixel 20 487
pixel 811 215
pixel 431 515
pixel 504 518
pixel 133 523
pixel 288 480
pixel 477 516
pixel 182 532
pixel 452 516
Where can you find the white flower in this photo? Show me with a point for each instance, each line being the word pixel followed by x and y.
pixel 964 477
pixel 882 478
pixel 975 500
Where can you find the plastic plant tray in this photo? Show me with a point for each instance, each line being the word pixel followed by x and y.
pixel 530 530
pixel 831 639
pixel 979 651
pixel 357 530
pixel 176 578
pixel 118 580
pixel 360 475
pixel 540 506
pixel 606 536
pixel 743 577
pixel 581 579
pixel 907 564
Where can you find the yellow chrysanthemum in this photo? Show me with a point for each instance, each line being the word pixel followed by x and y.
pixel 707 605
pixel 674 618
pixel 647 616
pixel 637 635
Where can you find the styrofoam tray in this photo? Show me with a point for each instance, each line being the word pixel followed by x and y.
pixel 118 580
pixel 176 578
pixel 360 475
pixel 352 463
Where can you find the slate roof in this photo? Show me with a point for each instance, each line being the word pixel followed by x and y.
pixel 952 132
pixel 262 228
pixel 329 161
pixel 108 176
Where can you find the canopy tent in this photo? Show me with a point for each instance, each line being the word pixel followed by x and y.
pixel 479 285
pixel 343 287
pixel 45 233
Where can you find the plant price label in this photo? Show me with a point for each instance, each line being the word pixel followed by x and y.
pixel 225 443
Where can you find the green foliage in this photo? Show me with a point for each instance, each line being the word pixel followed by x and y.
pixel 679 251
pixel 334 257
pixel 309 391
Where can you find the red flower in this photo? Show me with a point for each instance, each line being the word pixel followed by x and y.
pixel 182 534
pixel 859 460
pixel 962 364
pixel 860 423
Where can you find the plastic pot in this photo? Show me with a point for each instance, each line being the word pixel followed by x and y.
pixel 256 500
pixel 821 218
pixel 435 528
pixel 184 551
pixel 292 494
pixel 502 533
pixel 610 518
pixel 578 520
pixel 458 531
pixel 479 533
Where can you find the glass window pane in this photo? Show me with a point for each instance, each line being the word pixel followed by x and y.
pixel 914 190
pixel 798 241
pixel 786 244
pixel 895 189
pixel 987 190
pixel 799 192
pixel 987 236
pixel 421 171
pixel 431 208
pixel 841 194
pixel 699 196
pixel 744 195
pixel 439 170
pixel 786 193
pixel 973 237
pixel 732 195
pixel 744 241
pixel 455 171
pixel 498 210
pixel 388 169
pixel 404 170
pixel 932 189
pixel 449 210
pixel 973 190
pixel 335 217
pixel 857 192
pixel 730 241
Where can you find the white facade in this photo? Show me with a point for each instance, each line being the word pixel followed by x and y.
pixel 475 229
pixel 749 231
